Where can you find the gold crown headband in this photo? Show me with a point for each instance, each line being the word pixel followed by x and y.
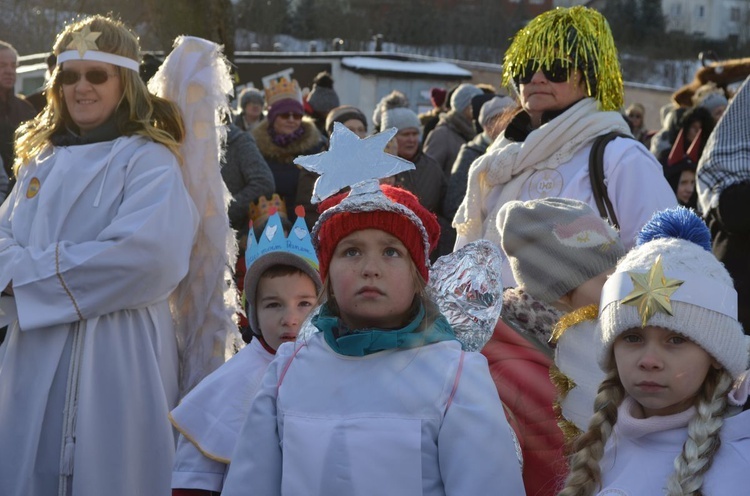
pixel 84 47
pixel 548 36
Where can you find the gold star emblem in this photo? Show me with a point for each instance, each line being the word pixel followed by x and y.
pixel 651 292
pixel 84 40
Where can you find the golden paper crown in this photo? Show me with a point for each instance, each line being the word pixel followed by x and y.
pixel 283 89
pixel 264 208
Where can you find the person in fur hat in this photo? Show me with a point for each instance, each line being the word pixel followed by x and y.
pixel 281 137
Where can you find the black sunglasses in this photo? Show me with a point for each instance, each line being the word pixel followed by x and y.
pixel 93 76
pixel 291 115
pixel 557 72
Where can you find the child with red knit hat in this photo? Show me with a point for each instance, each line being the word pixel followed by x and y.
pixel 382 400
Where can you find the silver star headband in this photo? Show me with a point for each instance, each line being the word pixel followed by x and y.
pixel 84 47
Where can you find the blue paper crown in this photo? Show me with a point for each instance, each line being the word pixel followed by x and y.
pixel 273 240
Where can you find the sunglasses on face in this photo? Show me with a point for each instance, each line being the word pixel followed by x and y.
pixel 635 116
pixel 290 115
pixel 93 76
pixel 558 71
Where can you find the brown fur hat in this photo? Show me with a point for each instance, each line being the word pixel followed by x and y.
pixel 722 73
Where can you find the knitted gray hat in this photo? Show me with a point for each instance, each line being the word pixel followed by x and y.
pixel 461 97
pixel 250 95
pixel 342 114
pixel 401 118
pixel 323 97
pixel 493 107
pixel 712 101
pixel 261 265
pixel 689 281
pixel 556 244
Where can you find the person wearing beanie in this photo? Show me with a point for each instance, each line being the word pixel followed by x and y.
pixel 668 416
pixel 682 159
pixel 491 120
pixel 712 98
pixel 454 128
pixel 394 99
pixel 285 134
pixel 426 180
pixel 564 67
pixel 349 116
pixel 384 378
pixel 322 99
pixel 430 118
pixel 249 109
pixel 282 285
pixel 561 253
pixel 476 106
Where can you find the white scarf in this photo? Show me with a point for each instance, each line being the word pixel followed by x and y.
pixel 509 163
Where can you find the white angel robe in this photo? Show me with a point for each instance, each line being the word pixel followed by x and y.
pixel 94 239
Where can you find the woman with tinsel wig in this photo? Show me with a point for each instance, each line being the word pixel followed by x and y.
pixel 564 66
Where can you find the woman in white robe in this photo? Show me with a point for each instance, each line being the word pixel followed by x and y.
pixel 94 239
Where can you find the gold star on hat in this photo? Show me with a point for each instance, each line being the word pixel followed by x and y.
pixel 84 40
pixel 652 292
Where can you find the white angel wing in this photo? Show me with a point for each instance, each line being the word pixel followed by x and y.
pixel 196 77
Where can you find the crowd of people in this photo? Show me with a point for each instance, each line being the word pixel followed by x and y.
pixel 200 301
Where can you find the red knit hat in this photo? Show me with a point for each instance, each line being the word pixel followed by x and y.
pixel 335 228
pixel 437 96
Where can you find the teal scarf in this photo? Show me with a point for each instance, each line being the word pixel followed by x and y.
pixel 362 342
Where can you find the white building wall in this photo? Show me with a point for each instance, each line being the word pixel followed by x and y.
pixel 712 19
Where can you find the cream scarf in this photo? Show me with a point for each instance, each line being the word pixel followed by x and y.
pixel 509 164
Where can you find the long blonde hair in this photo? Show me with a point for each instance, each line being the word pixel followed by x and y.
pixel 138 113
pixel 703 441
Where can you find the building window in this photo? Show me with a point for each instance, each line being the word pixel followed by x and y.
pixel 701 11
pixel 734 14
pixel 675 9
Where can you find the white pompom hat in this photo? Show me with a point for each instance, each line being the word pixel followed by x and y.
pixel 692 282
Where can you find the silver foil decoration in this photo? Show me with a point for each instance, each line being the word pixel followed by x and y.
pixel 468 289
pixel 350 161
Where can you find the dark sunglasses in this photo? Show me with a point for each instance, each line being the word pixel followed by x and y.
pixel 291 115
pixel 558 71
pixel 635 116
pixel 94 76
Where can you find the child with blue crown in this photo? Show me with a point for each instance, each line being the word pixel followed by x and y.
pixel 281 289
pixel 383 400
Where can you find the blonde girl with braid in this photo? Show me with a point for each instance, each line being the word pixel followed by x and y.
pixel 668 417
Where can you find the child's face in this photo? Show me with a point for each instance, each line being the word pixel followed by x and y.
pixel 371 279
pixel 283 303
pixel 661 369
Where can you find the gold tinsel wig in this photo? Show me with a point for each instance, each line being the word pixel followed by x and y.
pixel 579 35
